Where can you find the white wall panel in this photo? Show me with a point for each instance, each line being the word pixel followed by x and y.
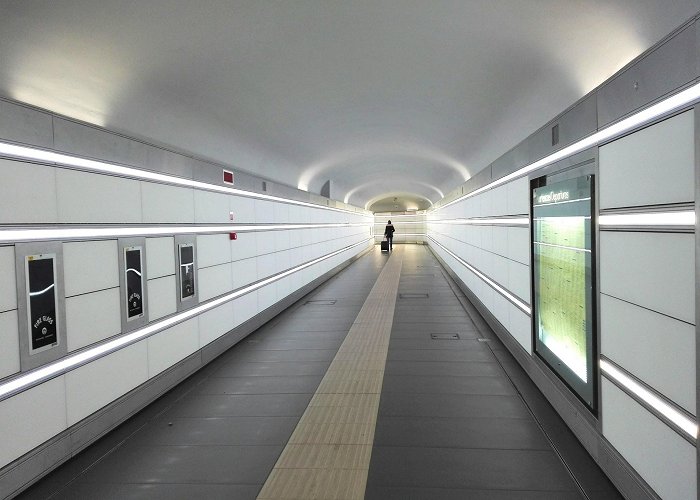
pixel 9 343
pixel 92 317
pixel 521 328
pixel 97 384
pixel 500 240
pixel 267 296
pixel 280 213
pixel 167 204
pixel 243 209
pixel 264 212
pixel 23 426
pixel 654 270
pixel 87 197
pixel 214 323
pixel 214 280
pixel 160 256
pixel 245 246
pixel 653 166
pixel 244 272
pixel 499 270
pixel 658 349
pixel 22 198
pixel 211 207
pixel 90 266
pixel 213 249
pixel 518 196
pixel 172 345
pixel 267 265
pixel 664 459
pixel 162 297
pixel 519 280
pixel 245 307
pixel 282 241
pixel 265 242
pixel 8 285
pixel 519 244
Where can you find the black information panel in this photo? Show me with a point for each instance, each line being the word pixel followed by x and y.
pixel 41 291
pixel 186 272
pixel 134 283
pixel 563 282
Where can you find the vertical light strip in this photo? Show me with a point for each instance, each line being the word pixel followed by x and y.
pixel 671 219
pixel 34 377
pixel 684 423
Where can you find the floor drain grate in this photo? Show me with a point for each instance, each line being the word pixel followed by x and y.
pixel 323 302
pixel 444 336
pixel 413 295
pixel 484 340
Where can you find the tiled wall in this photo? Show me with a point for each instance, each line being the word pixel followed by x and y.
pixel 647 288
pixel 45 195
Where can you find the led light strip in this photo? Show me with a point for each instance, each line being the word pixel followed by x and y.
pixel 496 221
pixel 35 377
pixel 671 219
pixel 404 234
pixel 647 115
pixel 400 223
pixel 682 421
pixel 13 235
pixel 512 298
pixel 41 155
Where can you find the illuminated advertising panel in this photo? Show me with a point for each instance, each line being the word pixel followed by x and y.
pixel 563 282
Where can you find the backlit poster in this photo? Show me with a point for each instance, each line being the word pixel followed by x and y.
pixel 563 272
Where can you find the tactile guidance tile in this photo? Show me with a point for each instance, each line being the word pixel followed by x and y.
pixel 329 452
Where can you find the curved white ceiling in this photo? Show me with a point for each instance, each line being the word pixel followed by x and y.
pixel 379 96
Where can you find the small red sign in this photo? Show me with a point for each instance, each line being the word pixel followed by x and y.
pixel 233 236
pixel 228 177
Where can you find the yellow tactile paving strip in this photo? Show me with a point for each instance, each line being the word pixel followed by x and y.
pixel 328 455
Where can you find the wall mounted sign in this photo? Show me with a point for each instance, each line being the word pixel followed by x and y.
pixel 563 282
pixel 42 302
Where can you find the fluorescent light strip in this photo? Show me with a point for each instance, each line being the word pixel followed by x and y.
pixel 688 425
pixel 63 233
pixel 59 367
pixel 685 218
pixel 647 115
pixel 496 221
pixel 41 155
pixel 512 298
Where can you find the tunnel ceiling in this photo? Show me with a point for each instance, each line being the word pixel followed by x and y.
pixel 378 96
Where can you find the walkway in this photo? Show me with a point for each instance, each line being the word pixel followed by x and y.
pixel 402 408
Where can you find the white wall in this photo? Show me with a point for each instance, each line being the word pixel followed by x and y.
pixel 92 281
pixel 409 228
pixel 647 288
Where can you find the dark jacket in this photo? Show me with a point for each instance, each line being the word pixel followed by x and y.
pixel 389 231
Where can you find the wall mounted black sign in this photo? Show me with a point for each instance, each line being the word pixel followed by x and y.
pixel 134 283
pixel 186 271
pixel 41 285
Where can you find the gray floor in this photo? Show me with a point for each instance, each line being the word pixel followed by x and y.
pixel 453 421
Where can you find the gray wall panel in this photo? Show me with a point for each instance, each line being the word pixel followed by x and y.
pixel 666 68
pixel 23 124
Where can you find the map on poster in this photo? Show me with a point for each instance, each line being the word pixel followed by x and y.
pixel 562 290
pixel 562 278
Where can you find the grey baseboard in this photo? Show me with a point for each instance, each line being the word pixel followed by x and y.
pixel 576 417
pixel 32 466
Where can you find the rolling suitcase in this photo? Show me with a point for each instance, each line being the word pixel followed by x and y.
pixel 385 245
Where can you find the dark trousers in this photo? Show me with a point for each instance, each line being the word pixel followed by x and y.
pixel 391 241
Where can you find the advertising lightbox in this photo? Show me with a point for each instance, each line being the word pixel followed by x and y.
pixel 563 282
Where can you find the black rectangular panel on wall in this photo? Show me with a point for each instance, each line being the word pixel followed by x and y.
pixel 40 302
pixel 133 283
pixel 563 271
pixel 43 302
pixel 186 259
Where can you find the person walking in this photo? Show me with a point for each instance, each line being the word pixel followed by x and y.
pixel 389 234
